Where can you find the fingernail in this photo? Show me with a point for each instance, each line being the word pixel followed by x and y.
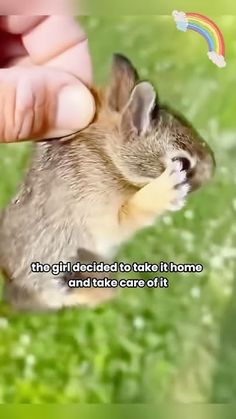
pixel 75 108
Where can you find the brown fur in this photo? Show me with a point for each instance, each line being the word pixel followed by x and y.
pixel 95 189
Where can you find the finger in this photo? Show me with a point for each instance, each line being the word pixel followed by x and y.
pixel 75 60
pixel 60 41
pixel 40 103
pixel 16 24
pixel 75 109
pixel 17 103
pixel 11 28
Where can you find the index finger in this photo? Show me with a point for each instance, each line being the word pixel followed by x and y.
pixel 60 41
pixel 55 41
pixel 15 24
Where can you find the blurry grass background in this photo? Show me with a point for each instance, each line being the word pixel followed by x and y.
pixel 150 344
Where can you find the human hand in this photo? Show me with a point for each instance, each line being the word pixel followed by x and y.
pixel 45 72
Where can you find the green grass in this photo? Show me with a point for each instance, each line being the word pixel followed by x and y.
pixel 150 345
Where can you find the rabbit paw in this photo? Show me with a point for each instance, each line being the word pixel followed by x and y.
pixel 167 192
pixel 180 186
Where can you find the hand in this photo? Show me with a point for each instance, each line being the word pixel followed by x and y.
pixel 45 72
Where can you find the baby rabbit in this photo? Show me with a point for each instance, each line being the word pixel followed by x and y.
pixel 86 194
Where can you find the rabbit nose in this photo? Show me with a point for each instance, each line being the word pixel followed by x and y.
pixel 203 172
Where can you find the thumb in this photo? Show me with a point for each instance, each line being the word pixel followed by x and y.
pixel 75 109
pixel 38 103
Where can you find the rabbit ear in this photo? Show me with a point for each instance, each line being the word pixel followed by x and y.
pixel 138 114
pixel 123 79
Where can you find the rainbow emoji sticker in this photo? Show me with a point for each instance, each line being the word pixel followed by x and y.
pixel 208 29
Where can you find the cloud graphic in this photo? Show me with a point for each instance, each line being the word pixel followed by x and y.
pixel 182 26
pixel 180 20
pixel 179 16
pixel 217 59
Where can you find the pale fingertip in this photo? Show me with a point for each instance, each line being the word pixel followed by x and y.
pixel 75 111
pixel 75 107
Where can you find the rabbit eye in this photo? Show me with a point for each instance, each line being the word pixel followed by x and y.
pixel 186 164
